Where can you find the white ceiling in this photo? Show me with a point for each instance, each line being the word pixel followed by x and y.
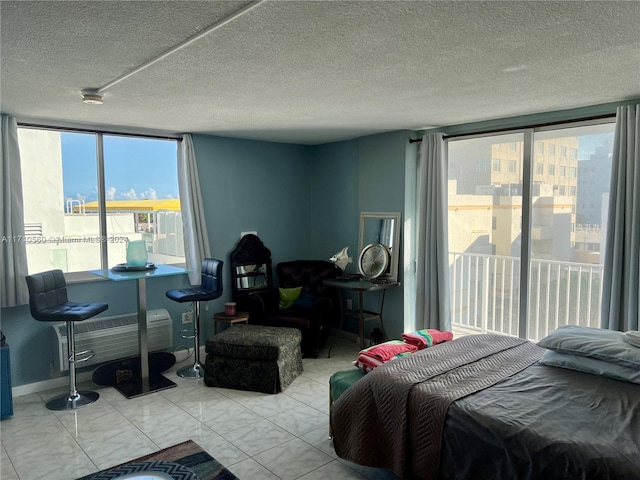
pixel 314 71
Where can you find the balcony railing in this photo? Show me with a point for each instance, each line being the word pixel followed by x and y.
pixel 485 294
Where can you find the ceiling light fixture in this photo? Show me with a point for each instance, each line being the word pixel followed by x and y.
pixel 92 97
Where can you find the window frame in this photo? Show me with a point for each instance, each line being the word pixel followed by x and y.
pixel 100 132
pixel 529 150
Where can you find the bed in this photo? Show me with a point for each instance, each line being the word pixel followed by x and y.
pixel 483 407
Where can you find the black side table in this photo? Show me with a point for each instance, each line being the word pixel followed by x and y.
pixel 361 314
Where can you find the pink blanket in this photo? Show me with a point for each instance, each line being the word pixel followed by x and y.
pixel 373 357
pixel 426 338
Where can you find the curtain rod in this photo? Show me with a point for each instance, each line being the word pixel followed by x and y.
pixel 537 125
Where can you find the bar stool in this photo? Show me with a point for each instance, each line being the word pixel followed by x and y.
pixel 210 288
pixel 48 303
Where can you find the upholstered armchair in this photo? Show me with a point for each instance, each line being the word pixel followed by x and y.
pixel 300 301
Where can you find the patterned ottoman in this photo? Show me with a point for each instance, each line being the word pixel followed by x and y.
pixel 253 357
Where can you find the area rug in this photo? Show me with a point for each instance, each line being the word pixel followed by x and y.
pixel 189 454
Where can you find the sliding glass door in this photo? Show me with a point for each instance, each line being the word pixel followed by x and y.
pixel 558 181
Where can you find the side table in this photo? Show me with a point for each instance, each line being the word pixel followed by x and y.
pixel 361 314
pixel 239 317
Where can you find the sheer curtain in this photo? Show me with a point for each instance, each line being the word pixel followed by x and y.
pixel 621 282
pixel 196 238
pixel 433 309
pixel 13 261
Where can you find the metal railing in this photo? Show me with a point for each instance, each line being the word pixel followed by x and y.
pixel 485 294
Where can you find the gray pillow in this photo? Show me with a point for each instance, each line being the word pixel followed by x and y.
pixel 605 345
pixel 591 365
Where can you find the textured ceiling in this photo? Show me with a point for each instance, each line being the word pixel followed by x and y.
pixel 314 71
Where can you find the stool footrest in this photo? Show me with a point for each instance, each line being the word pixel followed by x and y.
pixel 187 334
pixel 84 356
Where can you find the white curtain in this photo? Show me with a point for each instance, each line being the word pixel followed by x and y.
pixel 13 261
pixel 196 238
pixel 621 283
pixel 433 309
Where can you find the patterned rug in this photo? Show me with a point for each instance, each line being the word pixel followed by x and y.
pixel 188 454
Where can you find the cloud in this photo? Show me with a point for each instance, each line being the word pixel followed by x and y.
pixel 130 195
pixel 111 193
pixel 149 193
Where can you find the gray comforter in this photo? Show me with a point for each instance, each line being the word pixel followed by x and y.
pixel 481 407
pixel 393 417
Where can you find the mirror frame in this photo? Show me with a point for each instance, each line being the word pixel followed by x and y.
pixel 392 271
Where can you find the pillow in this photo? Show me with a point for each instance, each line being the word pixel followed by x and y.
pixel 591 365
pixel 305 301
pixel 606 345
pixel 288 296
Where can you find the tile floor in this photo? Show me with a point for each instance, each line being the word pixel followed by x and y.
pixel 256 436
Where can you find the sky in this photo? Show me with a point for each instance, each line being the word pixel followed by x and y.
pixel 135 168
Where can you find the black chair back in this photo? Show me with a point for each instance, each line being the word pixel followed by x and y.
pixel 47 290
pixel 211 278
pixel 48 300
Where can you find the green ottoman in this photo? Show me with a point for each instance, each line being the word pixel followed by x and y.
pixel 253 357
pixel 338 384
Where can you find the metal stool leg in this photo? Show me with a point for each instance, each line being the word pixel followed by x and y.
pixel 197 369
pixel 74 399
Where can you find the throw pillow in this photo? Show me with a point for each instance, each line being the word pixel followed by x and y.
pixel 591 365
pixel 288 296
pixel 305 302
pixel 606 345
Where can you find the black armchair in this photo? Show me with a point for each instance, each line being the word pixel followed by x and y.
pixel 312 313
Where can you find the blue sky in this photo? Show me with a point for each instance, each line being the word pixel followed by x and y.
pixel 135 168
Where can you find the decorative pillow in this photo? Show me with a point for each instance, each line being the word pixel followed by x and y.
pixel 305 301
pixel 591 365
pixel 288 296
pixel 606 345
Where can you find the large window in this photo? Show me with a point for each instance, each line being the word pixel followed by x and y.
pixel 561 245
pixel 68 226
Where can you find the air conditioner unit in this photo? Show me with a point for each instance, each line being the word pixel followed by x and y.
pixel 114 337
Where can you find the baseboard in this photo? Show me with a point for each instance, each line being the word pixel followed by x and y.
pixel 63 381
pixel 50 384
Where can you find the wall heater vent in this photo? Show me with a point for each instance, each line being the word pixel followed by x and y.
pixel 114 337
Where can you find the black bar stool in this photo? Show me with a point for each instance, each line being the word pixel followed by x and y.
pixel 210 288
pixel 48 303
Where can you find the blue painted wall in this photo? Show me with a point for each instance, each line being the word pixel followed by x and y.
pixel 254 186
pixel 32 344
pixel 362 175
pixel 303 201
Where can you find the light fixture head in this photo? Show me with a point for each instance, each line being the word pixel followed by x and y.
pixel 92 97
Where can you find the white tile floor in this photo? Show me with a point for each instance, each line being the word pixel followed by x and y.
pixel 256 436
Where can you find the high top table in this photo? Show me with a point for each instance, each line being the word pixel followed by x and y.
pixel 360 285
pixel 144 384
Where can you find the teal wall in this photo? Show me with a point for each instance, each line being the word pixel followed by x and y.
pixel 254 186
pixel 363 175
pixel 304 202
pixel 31 342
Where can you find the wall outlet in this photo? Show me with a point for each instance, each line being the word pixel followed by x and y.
pixel 187 317
pixel 349 304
